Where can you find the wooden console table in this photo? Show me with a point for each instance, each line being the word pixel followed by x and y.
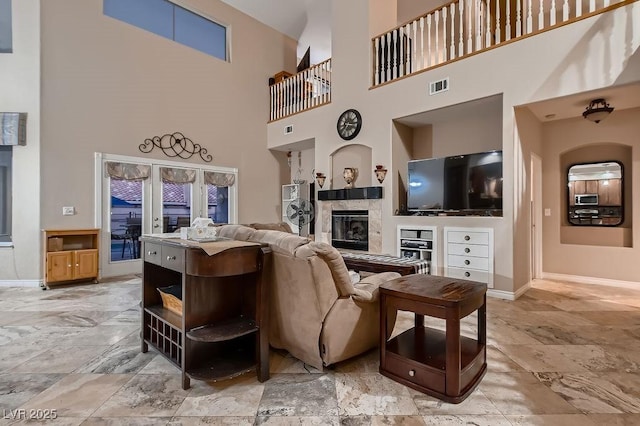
pixel 223 330
pixel 442 364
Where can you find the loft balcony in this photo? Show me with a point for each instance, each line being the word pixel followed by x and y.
pixel 300 92
pixel 454 31
pixel 464 28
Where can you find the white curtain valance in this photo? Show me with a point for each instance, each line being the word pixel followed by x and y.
pixel 127 171
pixel 219 179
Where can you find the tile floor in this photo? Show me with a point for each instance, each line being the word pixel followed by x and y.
pixel 562 354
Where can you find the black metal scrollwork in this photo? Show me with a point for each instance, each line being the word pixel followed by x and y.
pixel 175 145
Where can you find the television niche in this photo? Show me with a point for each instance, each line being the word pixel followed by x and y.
pixel 468 184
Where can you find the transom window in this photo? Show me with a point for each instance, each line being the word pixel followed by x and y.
pixel 171 21
pixel 6 42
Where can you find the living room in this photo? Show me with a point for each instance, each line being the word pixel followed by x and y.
pixel 91 84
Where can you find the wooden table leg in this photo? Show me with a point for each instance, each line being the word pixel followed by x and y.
pixel 452 363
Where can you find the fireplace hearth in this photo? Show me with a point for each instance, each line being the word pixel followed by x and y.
pixel 350 229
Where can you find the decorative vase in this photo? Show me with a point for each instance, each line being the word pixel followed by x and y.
pixel 350 174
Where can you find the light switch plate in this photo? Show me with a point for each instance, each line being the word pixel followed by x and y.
pixel 68 211
pixel 547 212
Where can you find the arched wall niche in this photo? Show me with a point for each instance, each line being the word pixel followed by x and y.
pixel 619 236
pixel 353 155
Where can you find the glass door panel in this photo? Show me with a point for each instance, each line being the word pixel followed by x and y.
pixel 218 203
pixel 125 219
pixel 176 206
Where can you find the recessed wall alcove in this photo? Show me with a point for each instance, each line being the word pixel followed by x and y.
pixel 610 236
pixel 353 155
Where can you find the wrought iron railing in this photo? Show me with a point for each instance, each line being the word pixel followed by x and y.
pixel 307 89
pixel 465 27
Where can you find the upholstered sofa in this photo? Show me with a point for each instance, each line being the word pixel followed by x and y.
pixel 316 313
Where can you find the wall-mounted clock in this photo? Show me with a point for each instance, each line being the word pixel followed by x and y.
pixel 349 124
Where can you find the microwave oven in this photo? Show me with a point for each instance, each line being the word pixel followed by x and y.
pixel 586 199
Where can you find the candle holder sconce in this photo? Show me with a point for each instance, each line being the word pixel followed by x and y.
pixel 380 172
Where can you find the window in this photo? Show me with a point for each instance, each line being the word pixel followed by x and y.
pixel 6 43
pixel 5 194
pixel 171 21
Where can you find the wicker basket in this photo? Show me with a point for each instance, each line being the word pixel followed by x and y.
pixel 172 298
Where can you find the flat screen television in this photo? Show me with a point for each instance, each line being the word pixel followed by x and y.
pixel 457 183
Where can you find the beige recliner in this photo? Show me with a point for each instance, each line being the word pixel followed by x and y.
pixel 316 313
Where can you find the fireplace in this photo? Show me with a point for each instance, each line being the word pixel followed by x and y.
pixel 350 229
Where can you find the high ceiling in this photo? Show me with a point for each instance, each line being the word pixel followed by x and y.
pixel 308 21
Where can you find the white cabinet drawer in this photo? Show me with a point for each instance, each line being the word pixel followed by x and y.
pixel 464 237
pixel 467 262
pixel 467 274
pixel 468 250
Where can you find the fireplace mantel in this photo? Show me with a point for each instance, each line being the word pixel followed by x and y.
pixel 367 193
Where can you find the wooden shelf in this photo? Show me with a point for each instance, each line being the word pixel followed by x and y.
pixel 165 315
pixel 427 346
pixel 221 368
pixel 224 330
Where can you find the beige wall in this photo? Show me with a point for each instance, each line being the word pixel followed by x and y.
pixel 20 92
pixel 528 140
pixel 560 137
pixel 572 66
pixel 108 85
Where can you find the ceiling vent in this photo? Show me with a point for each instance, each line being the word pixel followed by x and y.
pixel 288 129
pixel 439 86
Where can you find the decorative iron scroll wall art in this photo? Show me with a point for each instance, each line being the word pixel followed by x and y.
pixel 175 145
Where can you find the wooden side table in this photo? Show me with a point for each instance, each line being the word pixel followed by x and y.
pixel 441 364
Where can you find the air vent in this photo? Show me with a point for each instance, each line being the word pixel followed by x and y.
pixel 439 86
pixel 288 129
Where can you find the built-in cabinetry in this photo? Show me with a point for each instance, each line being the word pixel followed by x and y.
pixel 419 242
pixel 290 194
pixel 70 255
pixel 223 330
pixel 468 254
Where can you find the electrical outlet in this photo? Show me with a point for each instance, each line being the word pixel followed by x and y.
pixel 68 211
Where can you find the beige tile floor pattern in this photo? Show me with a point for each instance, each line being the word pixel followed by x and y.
pixel 562 354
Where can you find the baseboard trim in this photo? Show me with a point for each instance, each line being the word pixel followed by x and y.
pixel 21 283
pixel 591 280
pixel 508 295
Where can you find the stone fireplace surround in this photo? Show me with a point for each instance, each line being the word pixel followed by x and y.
pixel 375 219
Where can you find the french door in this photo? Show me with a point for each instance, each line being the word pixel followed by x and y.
pixel 139 197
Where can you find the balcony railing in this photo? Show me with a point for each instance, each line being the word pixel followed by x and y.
pixel 465 27
pixel 307 89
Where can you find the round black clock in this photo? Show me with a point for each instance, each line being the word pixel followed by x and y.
pixel 349 124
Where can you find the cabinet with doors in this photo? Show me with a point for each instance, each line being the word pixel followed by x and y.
pixel 419 242
pixel 468 254
pixel 290 196
pixel 70 255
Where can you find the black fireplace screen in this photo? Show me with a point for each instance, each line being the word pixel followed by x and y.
pixel 350 229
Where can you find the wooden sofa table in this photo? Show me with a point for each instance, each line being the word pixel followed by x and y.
pixel 222 327
pixel 445 365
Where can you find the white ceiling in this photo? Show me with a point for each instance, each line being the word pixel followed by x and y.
pixel 308 21
pixel 619 97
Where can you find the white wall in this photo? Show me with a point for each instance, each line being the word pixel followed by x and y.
pixel 574 65
pixel 20 92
